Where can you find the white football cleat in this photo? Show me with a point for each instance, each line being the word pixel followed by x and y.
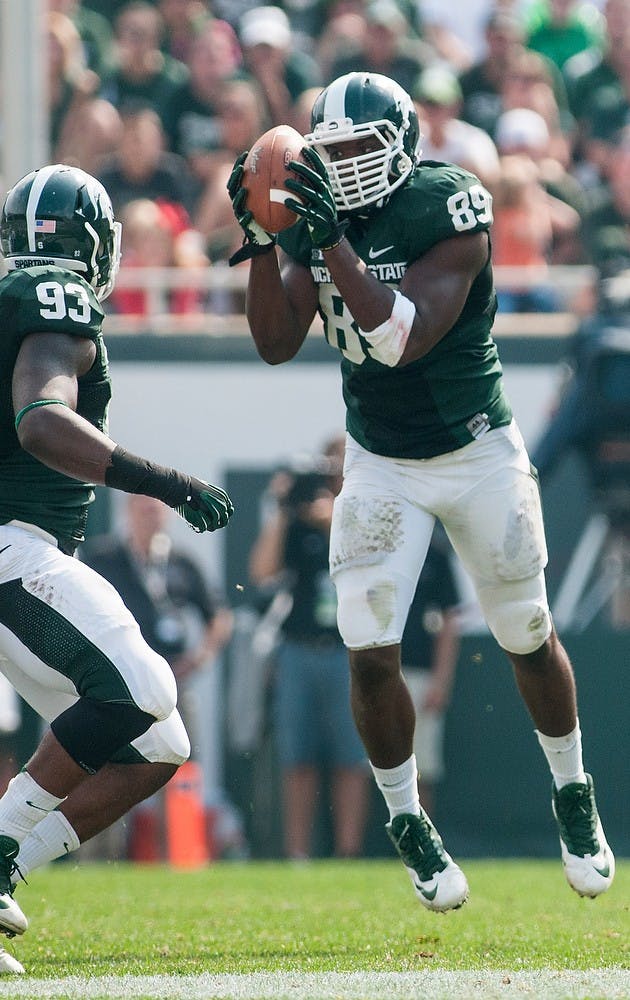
pixel 12 920
pixel 9 965
pixel 589 863
pixel 439 883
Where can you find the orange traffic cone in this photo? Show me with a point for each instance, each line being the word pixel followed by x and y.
pixel 186 842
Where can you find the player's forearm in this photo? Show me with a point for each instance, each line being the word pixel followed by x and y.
pixel 66 442
pixel 367 298
pixel 272 320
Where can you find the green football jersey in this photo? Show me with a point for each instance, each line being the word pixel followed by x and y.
pixel 454 393
pixel 47 299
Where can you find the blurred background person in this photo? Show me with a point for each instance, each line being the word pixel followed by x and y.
pixel 82 127
pixel 387 45
pixel 141 166
pixel 183 21
pixel 429 651
pixel 193 118
pixel 142 71
pixel 95 31
pixel 559 29
pixel 526 218
pixel 314 730
pixel 179 615
pixel 438 96
pixel 159 234
pixel 280 70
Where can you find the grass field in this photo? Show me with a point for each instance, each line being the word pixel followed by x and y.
pixel 326 929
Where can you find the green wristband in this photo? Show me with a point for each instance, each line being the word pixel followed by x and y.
pixel 33 406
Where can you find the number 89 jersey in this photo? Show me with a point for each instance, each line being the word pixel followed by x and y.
pixel 445 399
pixel 47 299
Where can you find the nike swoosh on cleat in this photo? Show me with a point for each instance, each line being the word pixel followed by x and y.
pixel 604 872
pixel 5 548
pixel 427 893
pixel 373 254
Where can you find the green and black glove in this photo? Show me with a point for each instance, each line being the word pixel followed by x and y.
pixel 257 240
pixel 316 203
pixel 206 507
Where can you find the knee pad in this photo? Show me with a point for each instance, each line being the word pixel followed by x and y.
pixel 166 742
pixel 157 694
pixel 91 732
pixel 518 615
pixel 372 606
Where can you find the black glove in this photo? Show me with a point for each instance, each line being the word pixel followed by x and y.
pixel 316 203
pixel 257 240
pixel 206 508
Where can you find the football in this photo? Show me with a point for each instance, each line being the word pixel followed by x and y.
pixel 264 173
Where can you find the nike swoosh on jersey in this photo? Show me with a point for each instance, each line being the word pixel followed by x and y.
pixel 33 806
pixel 373 254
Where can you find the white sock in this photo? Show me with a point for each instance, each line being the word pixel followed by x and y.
pixel 564 754
pixel 23 806
pixel 53 837
pixel 399 786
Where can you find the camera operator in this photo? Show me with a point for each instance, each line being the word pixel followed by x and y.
pixel 314 730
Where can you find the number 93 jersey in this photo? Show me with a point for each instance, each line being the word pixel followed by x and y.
pixel 453 394
pixel 47 299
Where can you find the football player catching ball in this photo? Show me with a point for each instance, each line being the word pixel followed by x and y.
pixel 394 254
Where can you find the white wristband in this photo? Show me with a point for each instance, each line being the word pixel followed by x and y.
pixel 387 341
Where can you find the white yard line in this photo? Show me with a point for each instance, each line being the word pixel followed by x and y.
pixel 553 984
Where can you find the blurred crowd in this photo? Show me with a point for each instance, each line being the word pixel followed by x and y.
pixel 158 98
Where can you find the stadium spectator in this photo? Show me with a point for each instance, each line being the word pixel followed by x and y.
pixel 526 219
pixel 607 215
pixel 437 96
pixel 141 167
pixel 241 122
pixel 83 127
pixel 183 21
pixel 159 234
pixel 388 47
pixel 142 71
pixel 428 653
pixel 94 30
pixel 180 616
pixel 193 124
pixel 78 658
pixel 414 454
pixel 482 82
pixel 281 71
pixel 522 132
pixel 457 30
pixel 559 29
pixel 533 82
pixel 313 726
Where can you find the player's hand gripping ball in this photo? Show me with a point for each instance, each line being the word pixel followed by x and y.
pixel 264 173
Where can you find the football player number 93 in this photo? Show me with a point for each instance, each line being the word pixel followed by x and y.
pixel 59 301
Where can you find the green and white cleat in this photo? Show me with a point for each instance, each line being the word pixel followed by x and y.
pixel 589 863
pixel 12 920
pixel 10 965
pixel 439 883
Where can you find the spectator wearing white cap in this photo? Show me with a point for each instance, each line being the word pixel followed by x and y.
pixel 281 71
pixel 445 137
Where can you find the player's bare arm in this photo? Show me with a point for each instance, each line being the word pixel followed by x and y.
pixel 48 367
pixel 281 304
pixel 437 284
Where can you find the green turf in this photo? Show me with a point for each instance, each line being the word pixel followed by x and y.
pixel 324 916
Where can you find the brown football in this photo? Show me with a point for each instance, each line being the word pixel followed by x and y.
pixel 264 173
